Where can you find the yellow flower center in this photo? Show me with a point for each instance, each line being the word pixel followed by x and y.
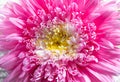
pixel 56 39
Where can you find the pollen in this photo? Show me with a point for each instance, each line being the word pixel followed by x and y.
pixel 56 39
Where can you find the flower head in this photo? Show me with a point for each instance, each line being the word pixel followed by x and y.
pixel 60 41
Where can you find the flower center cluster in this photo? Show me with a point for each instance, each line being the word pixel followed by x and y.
pixel 56 41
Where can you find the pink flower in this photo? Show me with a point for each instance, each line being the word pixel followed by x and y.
pixel 60 41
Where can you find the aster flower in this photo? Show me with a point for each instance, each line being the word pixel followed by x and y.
pixel 60 41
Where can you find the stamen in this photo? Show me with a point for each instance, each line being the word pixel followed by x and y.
pixel 57 40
